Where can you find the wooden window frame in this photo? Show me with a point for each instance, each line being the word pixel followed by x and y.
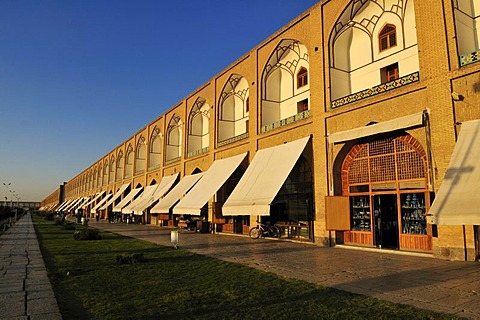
pixel 389 34
pixel 302 77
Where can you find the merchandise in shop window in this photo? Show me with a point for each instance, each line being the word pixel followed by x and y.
pixel 413 213
pixel 360 209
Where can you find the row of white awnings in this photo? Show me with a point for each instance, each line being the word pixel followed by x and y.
pixel 253 195
pixel 117 195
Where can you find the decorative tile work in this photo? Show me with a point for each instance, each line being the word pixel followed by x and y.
pixel 280 123
pixel 468 58
pixel 384 87
pixel 232 140
pixel 197 152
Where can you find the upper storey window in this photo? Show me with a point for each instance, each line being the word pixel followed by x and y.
pixel 285 85
pixel 302 78
pixel 387 37
pixel 372 35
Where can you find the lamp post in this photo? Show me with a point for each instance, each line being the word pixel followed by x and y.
pixel 6 192
pixel 12 196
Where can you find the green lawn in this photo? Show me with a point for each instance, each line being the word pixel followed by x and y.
pixel 177 284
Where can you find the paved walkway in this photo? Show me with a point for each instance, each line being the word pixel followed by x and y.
pixel 445 286
pixel 25 291
pixel 421 281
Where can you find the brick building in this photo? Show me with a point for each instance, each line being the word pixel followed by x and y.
pixel 354 124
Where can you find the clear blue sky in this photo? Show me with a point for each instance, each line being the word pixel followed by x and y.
pixel 78 77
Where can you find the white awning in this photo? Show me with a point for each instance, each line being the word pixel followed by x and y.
pixel 163 187
pixel 148 192
pixel 93 200
pixel 458 199
pixel 185 184
pixel 212 181
pixel 72 204
pixel 263 179
pixel 126 200
pixel 100 203
pixel 405 122
pixel 80 204
pixel 115 196
pixel 64 205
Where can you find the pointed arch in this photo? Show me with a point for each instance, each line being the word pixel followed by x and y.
pixel 111 174
pixel 285 85
pixel 105 173
pixel 129 161
pixel 198 128
pixel 140 155
pixel 173 150
pixel 155 149
pixel 119 166
pixel 368 38
pixel 232 111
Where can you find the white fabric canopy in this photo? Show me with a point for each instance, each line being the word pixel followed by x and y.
pixel 64 205
pixel 72 204
pixel 80 204
pixel 458 199
pixel 115 196
pixel 212 181
pixel 185 184
pixel 97 196
pixel 263 179
pixel 162 188
pixel 100 203
pixel 409 121
pixel 148 192
pixel 126 200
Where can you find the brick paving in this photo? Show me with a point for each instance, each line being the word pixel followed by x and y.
pixel 451 287
pixel 25 290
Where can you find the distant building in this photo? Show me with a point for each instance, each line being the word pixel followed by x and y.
pixel 356 124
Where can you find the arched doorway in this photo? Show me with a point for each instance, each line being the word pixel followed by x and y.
pixel 386 181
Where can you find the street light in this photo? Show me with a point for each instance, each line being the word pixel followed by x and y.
pixel 6 191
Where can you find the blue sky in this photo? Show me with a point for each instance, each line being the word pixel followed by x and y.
pixel 78 77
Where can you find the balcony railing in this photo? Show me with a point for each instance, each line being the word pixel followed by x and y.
pixel 283 122
pixel 173 160
pixel 197 152
pixel 469 58
pixel 153 167
pixel 370 92
pixel 232 140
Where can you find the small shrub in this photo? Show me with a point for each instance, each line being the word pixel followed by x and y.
pixel 68 226
pixel 133 258
pixel 87 234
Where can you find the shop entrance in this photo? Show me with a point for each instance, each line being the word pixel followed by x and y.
pixel 385 221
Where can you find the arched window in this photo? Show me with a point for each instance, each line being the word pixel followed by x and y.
pixel 302 78
pixel 233 114
pixel 387 38
pixel 173 151
pixel 119 174
pixel 285 88
pixel 155 149
pixel 111 175
pixel 140 155
pixel 129 162
pixel 198 128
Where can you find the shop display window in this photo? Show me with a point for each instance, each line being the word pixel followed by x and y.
pixel 360 210
pixel 413 213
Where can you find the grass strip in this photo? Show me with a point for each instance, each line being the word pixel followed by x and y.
pixel 177 284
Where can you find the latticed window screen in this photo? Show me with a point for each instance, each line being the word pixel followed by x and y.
pixel 385 160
